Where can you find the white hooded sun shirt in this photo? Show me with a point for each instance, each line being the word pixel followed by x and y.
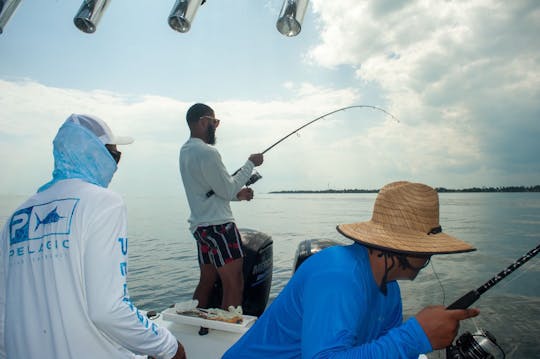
pixel 64 265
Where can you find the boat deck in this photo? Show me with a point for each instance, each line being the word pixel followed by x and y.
pixel 210 346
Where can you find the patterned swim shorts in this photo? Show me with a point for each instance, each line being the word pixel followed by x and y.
pixel 218 244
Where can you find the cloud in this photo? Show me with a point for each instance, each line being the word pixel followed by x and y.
pixel 33 112
pixel 469 71
pixel 462 77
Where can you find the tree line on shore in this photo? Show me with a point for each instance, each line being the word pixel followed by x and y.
pixel 439 189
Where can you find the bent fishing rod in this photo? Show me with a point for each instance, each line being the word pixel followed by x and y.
pixel 465 301
pixel 256 176
pixel 323 116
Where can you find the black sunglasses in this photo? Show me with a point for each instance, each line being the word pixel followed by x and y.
pixel 115 154
pixel 426 263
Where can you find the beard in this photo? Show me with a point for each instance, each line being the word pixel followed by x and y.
pixel 211 135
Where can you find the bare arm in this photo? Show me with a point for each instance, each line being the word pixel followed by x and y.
pixel 180 353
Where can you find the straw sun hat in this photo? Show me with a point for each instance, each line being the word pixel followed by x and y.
pixel 405 220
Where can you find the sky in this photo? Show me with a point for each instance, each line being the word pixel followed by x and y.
pixel 462 78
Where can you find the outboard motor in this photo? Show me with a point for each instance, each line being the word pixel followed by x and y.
pixel 309 247
pixel 258 265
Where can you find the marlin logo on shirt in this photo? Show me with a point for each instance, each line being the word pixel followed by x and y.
pixel 31 223
pixel 52 217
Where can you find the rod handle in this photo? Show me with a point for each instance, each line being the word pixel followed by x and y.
pixel 465 301
pixel 255 179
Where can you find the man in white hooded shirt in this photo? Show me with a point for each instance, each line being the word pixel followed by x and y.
pixel 63 261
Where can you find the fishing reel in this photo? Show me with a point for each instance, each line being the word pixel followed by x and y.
pixel 480 345
pixel 254 178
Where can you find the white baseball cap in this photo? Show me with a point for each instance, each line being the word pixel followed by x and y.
pixel 99 128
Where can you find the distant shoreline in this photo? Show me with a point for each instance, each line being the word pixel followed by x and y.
pixel 439 189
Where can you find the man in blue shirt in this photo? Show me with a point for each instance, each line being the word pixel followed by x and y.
pixel 344 302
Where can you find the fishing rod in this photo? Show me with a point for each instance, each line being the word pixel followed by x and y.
pixel 256 176
pixel 472 296
pixel 482 344
pixel 323 116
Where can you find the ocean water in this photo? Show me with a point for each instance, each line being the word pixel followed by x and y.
pixel 502 226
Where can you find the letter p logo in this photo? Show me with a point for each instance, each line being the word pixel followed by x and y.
pixel 19 227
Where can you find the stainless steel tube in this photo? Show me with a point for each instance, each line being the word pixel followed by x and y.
pixel 291 16
pixel 183 13
pixel 89 15
pixel 7 8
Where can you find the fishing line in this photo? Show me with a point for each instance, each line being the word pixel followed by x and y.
pixel 325 115
pixel 472 296
pixel 516 277
pixel 440 283
pixel 482 344
pixel 475 324
pixel 521 274
pixel 256 176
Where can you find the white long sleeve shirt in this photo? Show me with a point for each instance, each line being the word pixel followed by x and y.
pixel 202 170
pixel 63 270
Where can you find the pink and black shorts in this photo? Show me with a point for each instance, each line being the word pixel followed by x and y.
pixel 218 244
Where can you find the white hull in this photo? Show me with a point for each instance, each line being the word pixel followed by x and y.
pixel 210 346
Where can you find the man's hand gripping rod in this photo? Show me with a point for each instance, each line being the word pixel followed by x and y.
pixel 255 176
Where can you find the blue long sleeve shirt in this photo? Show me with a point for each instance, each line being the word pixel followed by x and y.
pixel 332 308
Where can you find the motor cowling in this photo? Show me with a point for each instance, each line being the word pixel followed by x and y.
pixel 257 271
pixel 258 266
pixel 309 247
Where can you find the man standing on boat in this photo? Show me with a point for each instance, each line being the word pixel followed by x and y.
pixel 345 302
pixel 63 261
pixel 209 190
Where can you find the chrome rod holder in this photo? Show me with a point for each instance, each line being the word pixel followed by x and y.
pixel 89 15
pixel 183 13
pixel 7 8
pixel 291 16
